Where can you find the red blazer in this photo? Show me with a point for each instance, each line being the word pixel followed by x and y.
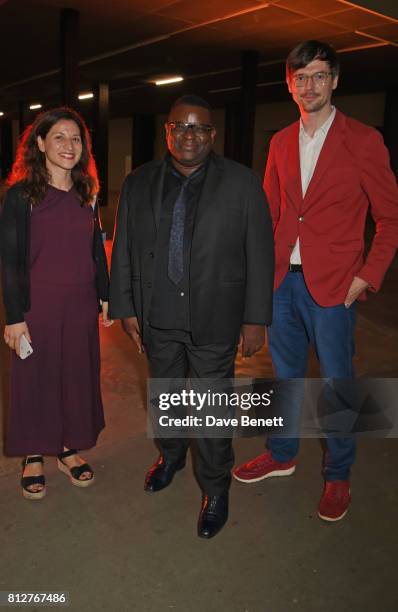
pixel 353 172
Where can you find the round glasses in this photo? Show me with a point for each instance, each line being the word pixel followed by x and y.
pixel 198 129
pixel 318 79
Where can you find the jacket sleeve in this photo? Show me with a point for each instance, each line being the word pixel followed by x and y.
pixel 11 269
pixel 380 186
pixel 102 276
pixel 259 258
pixel 121 303
pixel 271 184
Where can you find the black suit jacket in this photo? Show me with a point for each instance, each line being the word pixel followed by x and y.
pixel 232 256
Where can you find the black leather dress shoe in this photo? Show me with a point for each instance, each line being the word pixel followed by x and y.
pixel 213 515
pixel 161 474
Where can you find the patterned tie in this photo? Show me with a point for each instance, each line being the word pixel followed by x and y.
pixel 175 269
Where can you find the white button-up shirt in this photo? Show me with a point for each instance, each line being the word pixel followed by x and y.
pixel 310 149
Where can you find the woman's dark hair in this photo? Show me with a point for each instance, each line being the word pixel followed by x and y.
pixel 309 51
pixel 30 162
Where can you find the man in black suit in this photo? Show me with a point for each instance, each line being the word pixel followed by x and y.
pixel 192 273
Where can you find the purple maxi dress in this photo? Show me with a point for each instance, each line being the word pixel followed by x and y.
pixel 55 393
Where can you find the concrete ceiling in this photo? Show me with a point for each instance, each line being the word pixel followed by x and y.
pixel 128 42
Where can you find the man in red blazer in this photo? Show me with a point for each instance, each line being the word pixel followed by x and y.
pixel 323 173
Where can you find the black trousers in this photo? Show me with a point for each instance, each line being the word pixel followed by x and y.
pixel 172 354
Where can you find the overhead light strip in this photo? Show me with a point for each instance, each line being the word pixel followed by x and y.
pixel 176 79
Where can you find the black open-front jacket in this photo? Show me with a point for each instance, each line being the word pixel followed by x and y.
pixel 15 253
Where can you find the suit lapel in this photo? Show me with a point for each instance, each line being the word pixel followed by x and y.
pixel 293 185
pixel 157 192
pixel 332 142
pixel 210 185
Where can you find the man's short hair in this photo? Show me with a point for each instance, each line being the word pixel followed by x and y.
pixel 191 100
pixel 309 51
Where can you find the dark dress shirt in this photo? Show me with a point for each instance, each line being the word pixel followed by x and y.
pixel 170 302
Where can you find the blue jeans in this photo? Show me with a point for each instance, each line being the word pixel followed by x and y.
pixel 299 321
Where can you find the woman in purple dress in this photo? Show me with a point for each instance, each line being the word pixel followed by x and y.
pixel 54 276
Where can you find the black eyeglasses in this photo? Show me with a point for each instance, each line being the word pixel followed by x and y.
pixel 317 79
pixel 198 129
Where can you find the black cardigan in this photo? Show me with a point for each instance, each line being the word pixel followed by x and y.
pixel 15 254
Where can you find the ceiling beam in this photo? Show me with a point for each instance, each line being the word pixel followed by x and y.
pixel 392 7
pixel 144 43
pixel 378 38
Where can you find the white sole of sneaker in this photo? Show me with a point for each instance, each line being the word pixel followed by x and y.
pixel 288 472
pixel 332 520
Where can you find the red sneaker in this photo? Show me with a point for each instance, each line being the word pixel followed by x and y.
pixel 335 500
pixel 263 466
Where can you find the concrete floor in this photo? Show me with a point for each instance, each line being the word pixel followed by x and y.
pixel 115 547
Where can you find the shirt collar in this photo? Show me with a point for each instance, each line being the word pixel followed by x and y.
pixel 324 128
pixel 198 172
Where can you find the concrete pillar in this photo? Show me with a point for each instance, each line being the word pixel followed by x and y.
pixel 101 138
pixel 69 56
pixel 6 152
pixel 232 131
pixel 248 105
pixel 144 134
pixel 22 116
